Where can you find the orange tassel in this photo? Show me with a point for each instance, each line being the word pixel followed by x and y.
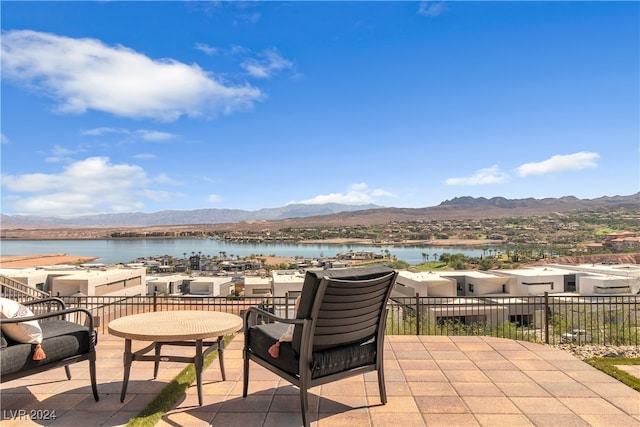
pixel 39 354
pixel 274 350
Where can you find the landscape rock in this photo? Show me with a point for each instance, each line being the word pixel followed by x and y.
pixel 584 352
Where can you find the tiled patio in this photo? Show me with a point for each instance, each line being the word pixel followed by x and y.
pixel 431 381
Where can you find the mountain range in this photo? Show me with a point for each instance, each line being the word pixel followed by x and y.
pixel 175 217
pixel 334 213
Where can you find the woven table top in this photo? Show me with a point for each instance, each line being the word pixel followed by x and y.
pixel 171 326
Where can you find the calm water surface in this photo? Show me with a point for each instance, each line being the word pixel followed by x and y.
pixel 123 251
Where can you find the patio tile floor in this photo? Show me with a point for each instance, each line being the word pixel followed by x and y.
pixel 430 380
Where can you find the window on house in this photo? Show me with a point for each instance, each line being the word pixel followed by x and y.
pixel 520 319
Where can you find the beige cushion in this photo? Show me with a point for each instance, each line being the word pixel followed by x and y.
pixel 24 332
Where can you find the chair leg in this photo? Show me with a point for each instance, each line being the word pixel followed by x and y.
pixel 221 357
pixel 245 375
pixel 304 405
pixel 92 373
pixel 156 364
pixel 383 390
pixel 67 371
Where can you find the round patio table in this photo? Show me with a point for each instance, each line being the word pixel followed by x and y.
pixel 174 328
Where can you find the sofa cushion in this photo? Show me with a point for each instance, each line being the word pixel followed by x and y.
pixel 341 359
pixel 24 332
pixel 61 339
pixel 261 337
pixel 324 362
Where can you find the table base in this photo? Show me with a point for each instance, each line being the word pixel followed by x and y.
pixel 197 360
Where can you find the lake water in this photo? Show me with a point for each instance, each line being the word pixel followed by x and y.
pixel 124 251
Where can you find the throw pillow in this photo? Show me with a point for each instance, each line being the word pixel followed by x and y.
pixel 25 332
pixel 287 336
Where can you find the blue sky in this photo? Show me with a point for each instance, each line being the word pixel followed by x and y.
pixel 144 106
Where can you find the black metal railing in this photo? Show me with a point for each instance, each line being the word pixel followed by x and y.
pixel 602 320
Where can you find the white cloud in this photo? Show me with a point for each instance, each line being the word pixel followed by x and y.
pixel 214 198
pixel 483 176
pixel 238 50
pixel 379 192
pixel 154 135
pixel 209 179
pixel 144 134
pixel 84 74
pixel 431 8
pixel 59 150
pixel 356 194
pixel 163 178
pixel 560 163
pixel 103 131
pixel 250 18
pixel 209 50
pixel 89 186
pixel 145 156
pixel 241 9
pixel 4 139
pixel 62 154
pixel 160 196
pixel 266 64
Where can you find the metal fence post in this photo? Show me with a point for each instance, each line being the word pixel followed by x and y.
pixel 547 315
pixel 286 306
pixel 417 313
pixel 155 301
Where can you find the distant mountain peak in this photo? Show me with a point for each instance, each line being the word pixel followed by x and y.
pixel 501 202
pixel 195 216
pixel 335 214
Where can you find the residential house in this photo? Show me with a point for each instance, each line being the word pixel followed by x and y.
pixel 257 286
pixel 211 286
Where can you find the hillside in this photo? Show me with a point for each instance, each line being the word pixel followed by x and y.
pixel 172 217
pixel 466 208
pixel 626 258
pixel 458 208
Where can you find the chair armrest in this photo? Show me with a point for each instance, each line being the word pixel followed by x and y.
pixel 59 302
pixel 269 316
pixel 58 313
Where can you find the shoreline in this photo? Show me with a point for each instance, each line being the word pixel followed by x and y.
pixel 433 242
pixel 333 241
pixel 36 260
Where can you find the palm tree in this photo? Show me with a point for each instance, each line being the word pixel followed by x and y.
pixel 424 257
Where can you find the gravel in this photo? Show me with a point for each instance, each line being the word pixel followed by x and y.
pixel 583 352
